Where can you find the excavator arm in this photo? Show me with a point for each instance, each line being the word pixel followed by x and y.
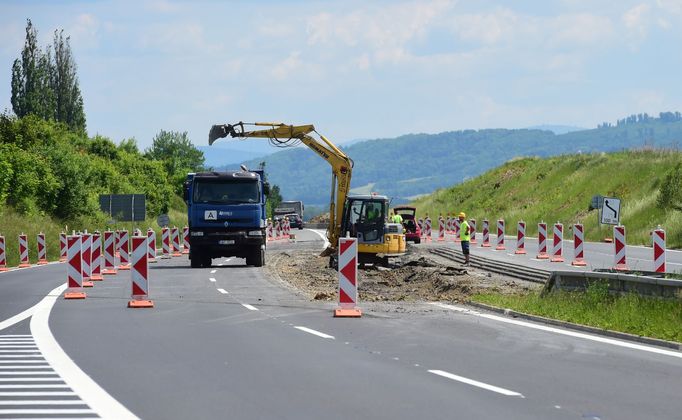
pixel 278 133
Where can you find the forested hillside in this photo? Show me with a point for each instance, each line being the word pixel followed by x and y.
pixel 415 164
pixel 649 183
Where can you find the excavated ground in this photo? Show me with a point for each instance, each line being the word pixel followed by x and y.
pixel 422 277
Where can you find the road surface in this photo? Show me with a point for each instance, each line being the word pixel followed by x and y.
pixel 232 341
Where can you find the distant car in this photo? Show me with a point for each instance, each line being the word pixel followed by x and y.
pixel 412 230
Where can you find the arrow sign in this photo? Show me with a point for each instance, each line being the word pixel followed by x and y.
pixel 610 211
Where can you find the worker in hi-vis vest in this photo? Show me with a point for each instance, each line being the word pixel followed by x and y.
pixel 464 236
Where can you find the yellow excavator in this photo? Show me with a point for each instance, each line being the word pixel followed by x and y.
pixel 359 216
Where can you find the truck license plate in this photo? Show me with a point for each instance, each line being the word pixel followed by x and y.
pixel 226 242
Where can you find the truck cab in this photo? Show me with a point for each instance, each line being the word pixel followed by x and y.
pixel 226 216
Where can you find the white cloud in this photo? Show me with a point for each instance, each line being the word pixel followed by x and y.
pixel 286 67
pixel 636 21
pixel 84 32
pixel 488 28
pixel 177 38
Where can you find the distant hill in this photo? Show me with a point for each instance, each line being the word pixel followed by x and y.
pixel 233 153
pixel 415 164
pixel 557 129
pixel 560 189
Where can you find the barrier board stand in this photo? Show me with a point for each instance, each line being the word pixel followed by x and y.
pixel 74 272
pixel 348 279
pixel 658 238
pixel 165 243
pixel 185 240
pixel 578 249
pixel 557 250
pixel 42 249
pixel 620 263
pixel 500 235
pixel 23 252
pixel 542 242
pixel 139 273
pixel 62 247
pixel 86 258
pixel 486 234
pixel 520 238
pixel 151 245
pixel 3 255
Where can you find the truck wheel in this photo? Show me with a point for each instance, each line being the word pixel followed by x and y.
pixel 206 261
pixel 194 258
pixel 417 241
pixel 257 258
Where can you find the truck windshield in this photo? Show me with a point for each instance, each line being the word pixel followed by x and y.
pixel 226 192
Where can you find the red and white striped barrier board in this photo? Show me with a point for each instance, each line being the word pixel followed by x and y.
pixel 450 225
pixel 457 229
pixel 542 241
pixel 500 235
pixel 62 247
pixel 428 229
pixel 109 259
pixel 165 242
pixel 86 258
pixel 74 272
pixel 117 244
pixel 139 273
pixel 620 263
pixel 278 230
pixel 348 278
pixel 23 252
pixel 175 241
pixel 472 231
pixel 441 228
pixel 520 238
pixel 3 254
pixel 124 250
pixel 486 234
pixel 558 248
pixel 269 231
pixel 578 248
pixel 659 250
pixel 42 249
pixel 285 229
pixel 185 240
pixel 151 245
pixel 96 264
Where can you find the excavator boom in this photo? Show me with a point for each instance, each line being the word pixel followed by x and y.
pixel 278 133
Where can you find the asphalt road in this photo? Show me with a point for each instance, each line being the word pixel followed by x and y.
pixel 231 341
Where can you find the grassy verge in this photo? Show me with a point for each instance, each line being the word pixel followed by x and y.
pixel 13 223
pixel 631 313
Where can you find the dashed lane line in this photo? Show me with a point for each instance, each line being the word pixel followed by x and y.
pixel 249 307
pixel 477 384
pixel 223 291
pixel 213 271
pixel 212 279
pixel 314 332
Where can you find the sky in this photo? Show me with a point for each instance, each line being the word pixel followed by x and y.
pixel 358 69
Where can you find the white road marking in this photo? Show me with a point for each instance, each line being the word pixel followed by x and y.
pixel 18 318
pixel 20 351
pixel 561 331
pixel 323 236
pixel 223 291
pixel 212 279
pixel 41 402
pixel 478 384
pixel 313 332
pixel 249 307
pixel 43 366
pixel 47 411
pixel 228 259
pixel 39 394
pixel 30 372
pixel 213 271
pixel 28 386
pixel 219 264
pixel 88 390
pixel 55 378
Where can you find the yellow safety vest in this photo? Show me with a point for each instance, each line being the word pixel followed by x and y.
pixel 464 233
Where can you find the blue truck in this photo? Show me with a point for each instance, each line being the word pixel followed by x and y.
pixel 226 214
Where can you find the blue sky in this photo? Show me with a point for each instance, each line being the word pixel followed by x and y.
pixel 359 69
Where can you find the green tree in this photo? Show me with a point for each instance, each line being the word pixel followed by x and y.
pixel 64 83
pixel 177 153
pixel 273 200
pixel 670 193
pixel 31 90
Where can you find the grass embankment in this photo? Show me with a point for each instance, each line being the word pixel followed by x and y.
pixel 561 188
pixel 13 223
pixel 629 313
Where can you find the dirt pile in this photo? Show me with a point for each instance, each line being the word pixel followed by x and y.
pixel 421 278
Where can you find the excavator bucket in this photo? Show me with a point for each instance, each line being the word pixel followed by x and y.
pixel 217 132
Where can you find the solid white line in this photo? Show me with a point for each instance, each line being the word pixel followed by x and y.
pixel 36 351
pixel 561 331
pixel 43 386
pixel 88 390
pixel 249 307
pixel 23 356
pixel 223 291
pixel 219 264
pixel 18 318
pixel 478 384
pixel 213 271
pixel 323 236
pixel 313 332
pixel 17 346
pixel 47 411
pixel 43 366
pixel 19 335
pixel 212 279
pixel 42 402
pixel 54 378
pixel 20 361
pixel 37 394
pixel 228 259
pixel 31 372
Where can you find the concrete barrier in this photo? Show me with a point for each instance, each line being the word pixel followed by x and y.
pixel 619 283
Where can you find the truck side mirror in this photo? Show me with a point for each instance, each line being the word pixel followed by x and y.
pixel 185 191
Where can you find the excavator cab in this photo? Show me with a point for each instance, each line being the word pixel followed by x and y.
pixel 365 217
